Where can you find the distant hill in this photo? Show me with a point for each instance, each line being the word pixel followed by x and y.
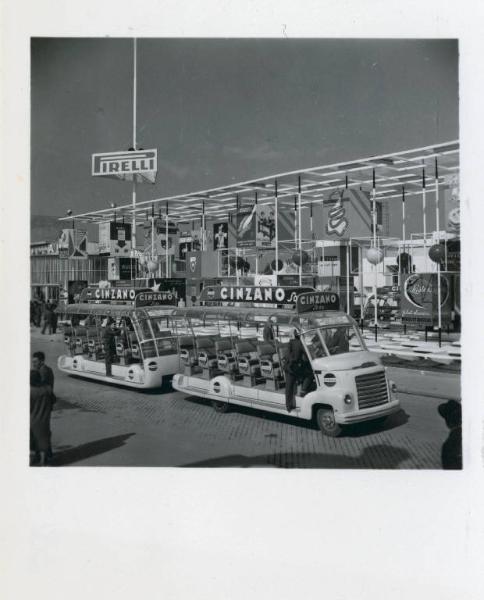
pixel 44 228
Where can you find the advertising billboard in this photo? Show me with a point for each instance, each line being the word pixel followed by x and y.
pixel 419 299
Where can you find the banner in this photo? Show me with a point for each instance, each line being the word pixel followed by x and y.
pixel 194 264
pixel 420 297
pixel 246 220
pixel 266 226
pixel 104 238
pixel 120 236
pixel 347 214
pixel 77 244
pixel 452 204
pixel 220 236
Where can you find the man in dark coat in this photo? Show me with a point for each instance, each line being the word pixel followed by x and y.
pixel 47 380
pixel 45 372
pixel 451 454
pixel 297 368
pixel 40 412
pixel 109 342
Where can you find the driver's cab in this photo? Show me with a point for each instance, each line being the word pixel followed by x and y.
pixel 332 341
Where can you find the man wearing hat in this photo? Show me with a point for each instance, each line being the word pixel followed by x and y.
pixel 451 454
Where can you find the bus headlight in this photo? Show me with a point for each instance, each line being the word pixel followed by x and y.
pixel 393 387
pixel 348 399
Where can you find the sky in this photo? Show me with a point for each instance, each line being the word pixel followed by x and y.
pixel 226 110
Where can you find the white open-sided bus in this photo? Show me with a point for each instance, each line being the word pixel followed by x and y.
pixel 146 347
pixel 225 359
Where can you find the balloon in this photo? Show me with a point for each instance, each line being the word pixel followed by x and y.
pixel 374 255
pixel 280 264
pixel 152 265
pixel 304 256
pixel 437 253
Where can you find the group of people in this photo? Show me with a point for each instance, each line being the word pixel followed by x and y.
pixel 42 314
pixel 42 399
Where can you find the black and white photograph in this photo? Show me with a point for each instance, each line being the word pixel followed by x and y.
pixel 318 369
pixel 248 237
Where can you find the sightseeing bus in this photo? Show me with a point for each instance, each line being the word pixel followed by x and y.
pixel 224 358
pixel 146 347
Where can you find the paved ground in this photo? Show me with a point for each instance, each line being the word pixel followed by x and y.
pixel 99 424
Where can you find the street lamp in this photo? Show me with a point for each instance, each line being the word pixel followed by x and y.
pixel 69 213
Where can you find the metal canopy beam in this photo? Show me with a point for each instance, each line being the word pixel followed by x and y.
pixel 392 171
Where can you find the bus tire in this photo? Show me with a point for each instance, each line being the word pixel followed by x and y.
pixel 327 423
pixel 220 407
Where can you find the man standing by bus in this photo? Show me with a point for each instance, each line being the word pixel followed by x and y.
pixel 109 341
pixel 297 369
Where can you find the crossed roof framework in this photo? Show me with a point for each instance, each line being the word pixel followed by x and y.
pixel 390 174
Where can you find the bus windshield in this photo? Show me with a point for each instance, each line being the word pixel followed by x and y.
pixel 329 341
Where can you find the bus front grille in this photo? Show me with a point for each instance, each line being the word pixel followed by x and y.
pixel 372 389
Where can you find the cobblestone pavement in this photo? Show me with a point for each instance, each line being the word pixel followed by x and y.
pixel 99 424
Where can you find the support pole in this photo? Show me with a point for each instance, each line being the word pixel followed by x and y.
pixel 256 238
pixel 166 242
pixel 203 225
pixel 373 214
pixel 299 232
pixel 276 214
pixel 424 216
pixel 133 193
pixel 437 226
pixel 362 286
pixel 348 278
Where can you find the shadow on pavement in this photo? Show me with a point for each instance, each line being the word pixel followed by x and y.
pixel 369 427
pixel 380 456
pixel 74 454
pixel 356 430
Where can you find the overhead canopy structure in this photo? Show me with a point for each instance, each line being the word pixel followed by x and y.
pixel 387 173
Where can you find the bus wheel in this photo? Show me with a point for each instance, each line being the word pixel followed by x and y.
pixel 327 423
pixel 220 407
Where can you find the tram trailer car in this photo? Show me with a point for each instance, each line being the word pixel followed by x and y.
pixel 146 348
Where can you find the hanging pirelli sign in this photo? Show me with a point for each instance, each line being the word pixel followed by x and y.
pixel 126 165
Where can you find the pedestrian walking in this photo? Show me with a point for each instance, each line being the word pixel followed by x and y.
pixel 53 317
pixel 109 342
pixel 297 369
pixel 47 317
pixel 40 413
pixel 37 312
pixel 451 454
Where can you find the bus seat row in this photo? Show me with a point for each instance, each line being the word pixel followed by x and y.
pixel 247 358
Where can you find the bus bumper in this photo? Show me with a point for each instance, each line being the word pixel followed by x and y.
pixel 376 412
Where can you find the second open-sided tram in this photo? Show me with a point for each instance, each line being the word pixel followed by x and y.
pixel 224 358
pixel 146 349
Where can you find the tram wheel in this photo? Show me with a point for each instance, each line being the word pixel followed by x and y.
pixel 220 407
pixel 327 423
